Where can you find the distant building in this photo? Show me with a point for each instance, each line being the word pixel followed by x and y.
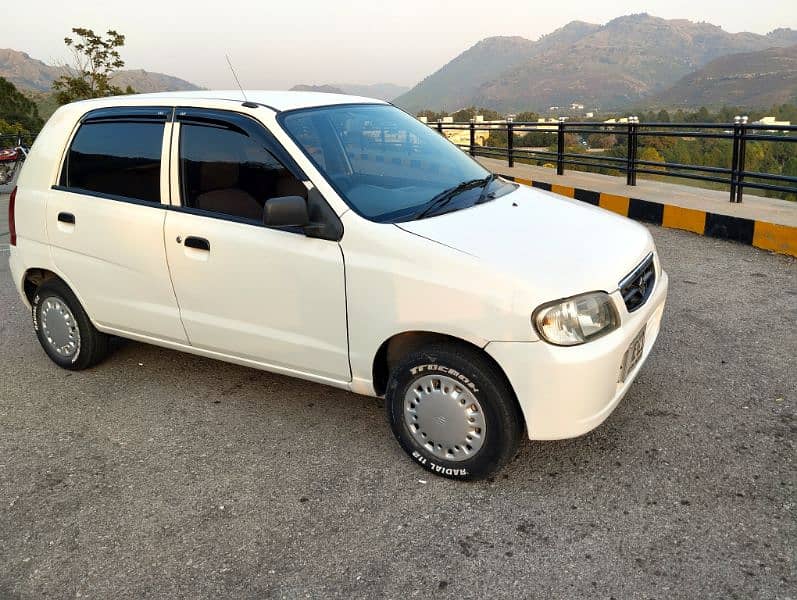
pixel 549 124
pixel 771 121
pixel 589 115
pixel 576 106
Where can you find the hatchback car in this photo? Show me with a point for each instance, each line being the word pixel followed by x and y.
pixel 339 240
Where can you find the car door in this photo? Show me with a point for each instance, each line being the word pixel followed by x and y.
pixel 105 217
pixel 272 296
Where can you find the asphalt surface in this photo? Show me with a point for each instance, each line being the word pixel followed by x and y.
pixel 162 475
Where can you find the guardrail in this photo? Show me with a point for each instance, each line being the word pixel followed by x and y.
pixel 738 134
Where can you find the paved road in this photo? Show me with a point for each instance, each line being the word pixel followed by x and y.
pixel 159 474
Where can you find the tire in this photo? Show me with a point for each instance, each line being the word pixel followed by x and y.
pixel 451 377
pixel 69 339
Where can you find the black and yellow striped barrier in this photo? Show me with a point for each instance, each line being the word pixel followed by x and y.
pixel 761 234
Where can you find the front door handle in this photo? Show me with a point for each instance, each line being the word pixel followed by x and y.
pixel 66 217
pixel 197 243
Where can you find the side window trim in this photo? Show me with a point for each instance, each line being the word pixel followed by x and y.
pixel 244 123
pixel 104 196
pixel 158 114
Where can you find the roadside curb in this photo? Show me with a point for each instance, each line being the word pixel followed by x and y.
pixel 761 234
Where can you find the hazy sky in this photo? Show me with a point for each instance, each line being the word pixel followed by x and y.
pixel 276 44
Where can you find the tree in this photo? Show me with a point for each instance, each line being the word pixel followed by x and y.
pixel 602 140
pixel 95 60
pixel 17 112
pixel 431 115
pixel 466 114
pixel 650 154
pixel 527 116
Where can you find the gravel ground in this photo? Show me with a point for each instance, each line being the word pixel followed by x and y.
pixel 159 474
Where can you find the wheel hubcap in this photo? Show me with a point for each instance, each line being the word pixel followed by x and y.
pixel 59 327
pixel 444 417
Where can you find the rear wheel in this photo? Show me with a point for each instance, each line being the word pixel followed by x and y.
pixel 64 329
pixel 453 412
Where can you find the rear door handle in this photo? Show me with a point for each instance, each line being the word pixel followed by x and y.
pixel 66 217
pixel 197 243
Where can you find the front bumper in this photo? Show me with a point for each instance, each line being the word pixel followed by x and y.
pixel 565 392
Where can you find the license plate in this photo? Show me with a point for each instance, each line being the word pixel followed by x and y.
pixel 632 355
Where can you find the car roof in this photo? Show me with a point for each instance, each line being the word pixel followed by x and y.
pixel 277 100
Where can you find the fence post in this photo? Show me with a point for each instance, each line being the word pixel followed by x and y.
pixel 510 143
pixel 737 121
pixel 630 161
pixel 472 145
pixel 560 147
pixel 740 161
pixel 636 150
pixel 440 126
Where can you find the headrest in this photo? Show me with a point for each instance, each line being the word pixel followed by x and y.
pixel 218 176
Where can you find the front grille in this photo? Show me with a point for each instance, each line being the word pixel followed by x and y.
pixel 638 284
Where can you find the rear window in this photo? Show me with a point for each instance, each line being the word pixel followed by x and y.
pixel 116 158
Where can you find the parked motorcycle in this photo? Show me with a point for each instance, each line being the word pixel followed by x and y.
pixel 11 160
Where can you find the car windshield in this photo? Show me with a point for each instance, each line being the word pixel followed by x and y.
pixel 387 165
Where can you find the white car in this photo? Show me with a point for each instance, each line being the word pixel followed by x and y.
pixel 339 240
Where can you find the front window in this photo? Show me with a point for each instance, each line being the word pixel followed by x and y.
pixel 388 166
pixel 226 171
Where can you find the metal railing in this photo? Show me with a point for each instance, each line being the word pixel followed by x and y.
pixel 13 140
pixel 634 133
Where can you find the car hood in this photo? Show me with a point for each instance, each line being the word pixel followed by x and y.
pixel 556 246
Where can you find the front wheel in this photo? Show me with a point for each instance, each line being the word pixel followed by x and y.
pixel 453 412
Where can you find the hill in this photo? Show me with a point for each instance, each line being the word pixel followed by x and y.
pixel 383 91
pixel 601 66
pixel 746 80
pixel 451 86
pixel 328 89
pixel 28 73
pixel 148 81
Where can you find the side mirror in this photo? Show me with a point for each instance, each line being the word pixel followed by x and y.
pixel 324 223
pixel 286 211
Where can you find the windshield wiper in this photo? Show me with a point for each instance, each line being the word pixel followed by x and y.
pixel 484 196
pixel 444 197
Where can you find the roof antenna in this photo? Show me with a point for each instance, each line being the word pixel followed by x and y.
pixel 240 87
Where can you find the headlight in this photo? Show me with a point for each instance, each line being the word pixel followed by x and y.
pixel 576 320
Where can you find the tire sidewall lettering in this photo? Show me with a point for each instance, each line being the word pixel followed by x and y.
pixel 435 468
pixel 35 312
pixel 434 367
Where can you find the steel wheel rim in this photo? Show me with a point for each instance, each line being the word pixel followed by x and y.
pixel 59 327
pixel 444 417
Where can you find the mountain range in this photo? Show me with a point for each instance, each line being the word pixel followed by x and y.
pixel 631 61
pixel 30 74
pixel 383 91
pixel 627 61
